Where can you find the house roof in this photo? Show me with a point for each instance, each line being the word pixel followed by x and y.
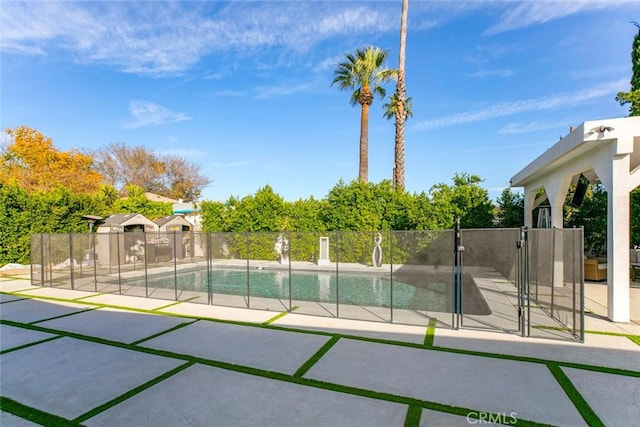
pixel 175 218
pixel 158 198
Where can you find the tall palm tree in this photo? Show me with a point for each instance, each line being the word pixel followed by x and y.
pixel 401 97
pixel 393 109
pixel 364 73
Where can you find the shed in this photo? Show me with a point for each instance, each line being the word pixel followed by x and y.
pixel 180 229
pixel 173 223
pixel 121 237
pixel 126 223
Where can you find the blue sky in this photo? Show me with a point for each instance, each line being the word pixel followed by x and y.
pixel 243 88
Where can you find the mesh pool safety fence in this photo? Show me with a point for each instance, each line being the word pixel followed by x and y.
pixel 526 281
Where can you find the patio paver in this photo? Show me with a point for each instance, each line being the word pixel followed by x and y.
pixel 203 395
pixel 249 346
pixel 601 390
pixel 11 337
pixel 114 324
pixel 67 377
pixel 599 350
pixel 482 383
pixel 32 310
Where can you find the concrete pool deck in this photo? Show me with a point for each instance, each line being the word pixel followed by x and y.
pixel 73 357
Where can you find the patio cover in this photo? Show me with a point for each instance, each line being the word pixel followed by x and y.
pixel 605 151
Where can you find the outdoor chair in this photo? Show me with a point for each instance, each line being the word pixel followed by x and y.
pixel 595 270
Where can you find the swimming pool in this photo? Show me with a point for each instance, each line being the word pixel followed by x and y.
pixel 358 289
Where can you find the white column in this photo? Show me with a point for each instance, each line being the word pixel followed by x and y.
pixel 529 200
pixel 618 240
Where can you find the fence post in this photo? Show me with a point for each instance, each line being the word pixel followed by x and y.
pixel 337 275
pixel 71 259
pixel 581 267
pixel 95 262
pixel 248 266
pixel 527 279
pixel 42 263
pixel 175 267
pixel 209 266
pixel 522 279
pixel 146 268
pixel 118 258
pixel 456 315
pixel 391 275
pixel 289 259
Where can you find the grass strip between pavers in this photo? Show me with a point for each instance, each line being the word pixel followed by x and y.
pixel 278 376
pixel 615 371
pixel 574 395
pixel 279 316
pixel 634 338
pixel 181 325
pixel 113 402
pixel 431 333
pixel 32 414
pixel 13 300
pixel 162 307
pixel 20 347
pixel 317 356
pixel 414 413
pixel 64 315
pixel 11 278
pixel 88 296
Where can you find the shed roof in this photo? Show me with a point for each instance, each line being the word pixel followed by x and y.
pixel 172 218
pixel 126 219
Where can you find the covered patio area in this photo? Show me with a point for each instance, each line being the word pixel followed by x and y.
pixel 599 151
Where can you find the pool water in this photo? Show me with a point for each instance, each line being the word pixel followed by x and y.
pixel 358 289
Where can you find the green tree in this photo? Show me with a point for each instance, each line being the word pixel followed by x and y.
pixel 633 96
pixel 168 175
pixel 592 215
pixel 364 74
pixel 137 202
pixel 353 207
pixel 57 211
pixel 14 223
pixel 466 199
pixel 635 218
pixel 35 164
pixel 305 215
pixel 510 211
pixel 214 216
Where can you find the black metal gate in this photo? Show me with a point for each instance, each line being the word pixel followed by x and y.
pixel 531 280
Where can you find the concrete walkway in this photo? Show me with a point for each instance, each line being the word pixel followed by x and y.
pixel 70 358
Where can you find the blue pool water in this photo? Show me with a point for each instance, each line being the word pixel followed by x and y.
pixel 360 289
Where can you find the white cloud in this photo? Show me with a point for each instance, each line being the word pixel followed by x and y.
pixel 231 164
pixel 480 74
pixel 509 108
pixel 147 39
pixel 265 92
pixel 146 113
pixel 527 13
pixel 534 126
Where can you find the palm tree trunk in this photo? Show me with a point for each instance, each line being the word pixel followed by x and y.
pixel 364 143
pixel 401 90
